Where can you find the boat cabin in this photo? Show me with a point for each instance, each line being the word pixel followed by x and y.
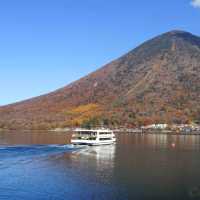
pixel 93 137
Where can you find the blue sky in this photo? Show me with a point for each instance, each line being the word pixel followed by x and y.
pixel 46 44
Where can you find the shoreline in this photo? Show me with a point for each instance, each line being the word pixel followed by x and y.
pixel 116 131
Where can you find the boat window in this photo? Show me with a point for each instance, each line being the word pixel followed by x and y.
pixel 104 138
pixel 87 133
pixel 104 133
pixel 84 134
pixel 83 137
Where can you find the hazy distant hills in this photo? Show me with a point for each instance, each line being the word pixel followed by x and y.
pixel 157 82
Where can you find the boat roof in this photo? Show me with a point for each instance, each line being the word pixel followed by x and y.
pixel 92 130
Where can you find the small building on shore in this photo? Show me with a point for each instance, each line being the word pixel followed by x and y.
pixel 155 126
pixel 185 127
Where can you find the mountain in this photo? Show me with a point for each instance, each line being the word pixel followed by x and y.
pixel 157 82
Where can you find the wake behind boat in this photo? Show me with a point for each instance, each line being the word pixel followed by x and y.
pixel 93 137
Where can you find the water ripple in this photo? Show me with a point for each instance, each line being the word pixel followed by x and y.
pixel 24 154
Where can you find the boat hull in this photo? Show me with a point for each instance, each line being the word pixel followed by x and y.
pixel 92 143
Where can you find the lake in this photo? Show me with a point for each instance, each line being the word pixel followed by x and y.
pixel 43 166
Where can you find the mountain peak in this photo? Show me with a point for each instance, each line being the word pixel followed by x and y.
pixel 181 34
pixel 177 32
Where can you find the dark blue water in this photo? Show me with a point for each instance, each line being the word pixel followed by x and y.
pixel 29 151
pixel 137 167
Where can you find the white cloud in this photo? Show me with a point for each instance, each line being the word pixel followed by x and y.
pixel 195 3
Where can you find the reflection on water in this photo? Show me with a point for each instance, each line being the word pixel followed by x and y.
pixel 136 167
pixel 27 138
pixel 99 153
pixel 162 141
pixel 102 156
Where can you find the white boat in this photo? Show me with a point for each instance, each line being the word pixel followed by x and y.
pixel 93 137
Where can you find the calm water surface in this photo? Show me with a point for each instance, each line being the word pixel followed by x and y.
pixel 42 166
